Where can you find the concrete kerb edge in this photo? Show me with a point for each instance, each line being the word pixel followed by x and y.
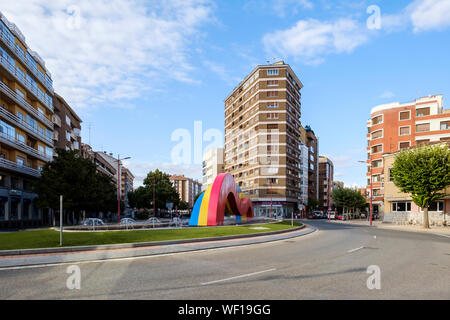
pixel 141 244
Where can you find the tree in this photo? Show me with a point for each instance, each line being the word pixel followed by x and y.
pixel 347 198
pixel 183 205
pixel 142 197
pixel 423 172
pixel 78 181
pixel 312 203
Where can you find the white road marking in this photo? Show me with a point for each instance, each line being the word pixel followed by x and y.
pixel 356 249
pixel 237 277
pixel 442 235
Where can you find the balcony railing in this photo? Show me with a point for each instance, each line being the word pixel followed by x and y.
pixel 21 101
pixel 19 54
pixel 24 125
pixel 19 168
pixel 7 65
pixel 13 142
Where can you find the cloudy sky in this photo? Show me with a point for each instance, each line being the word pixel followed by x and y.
pixel 138 71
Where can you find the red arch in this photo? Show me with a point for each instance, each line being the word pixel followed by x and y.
pixel 224 189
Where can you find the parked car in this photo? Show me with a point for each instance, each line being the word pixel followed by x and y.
pixel 332 214
pixel 127 221
pixel 92 222
pixel 317 215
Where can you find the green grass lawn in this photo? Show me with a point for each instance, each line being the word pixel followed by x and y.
pixel 50 238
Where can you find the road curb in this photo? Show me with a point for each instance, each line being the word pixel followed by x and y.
pixel 21 252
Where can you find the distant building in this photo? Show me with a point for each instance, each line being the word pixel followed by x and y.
pixel 127 184
pixel 312 142
pixel 66 134
pixel 187 188
pixel 102 164
pixel 326 175
pixel 212 166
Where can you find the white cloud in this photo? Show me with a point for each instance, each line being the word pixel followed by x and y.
pixel 281 6
pixel 101 51
pixel 311 40
pixel 430 15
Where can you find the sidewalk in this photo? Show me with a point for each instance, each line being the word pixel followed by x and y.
pixel 392 226
pixel 109 252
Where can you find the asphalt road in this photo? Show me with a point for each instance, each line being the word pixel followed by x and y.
pixel 331 263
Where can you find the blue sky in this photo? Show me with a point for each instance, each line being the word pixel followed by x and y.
pixel 138 70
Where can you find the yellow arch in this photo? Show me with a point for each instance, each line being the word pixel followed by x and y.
pixel 203 215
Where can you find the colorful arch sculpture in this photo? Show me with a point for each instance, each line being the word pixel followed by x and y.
pixel 223 194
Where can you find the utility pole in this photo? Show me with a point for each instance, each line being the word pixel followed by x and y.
pixel 329 193
pixel 154 204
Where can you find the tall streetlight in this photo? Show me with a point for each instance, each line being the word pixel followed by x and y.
pixel 361 161
pixel 329 193
pixel 119 177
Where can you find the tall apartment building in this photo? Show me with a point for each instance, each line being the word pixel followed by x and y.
pixel 262 138
pixel 326 175
pixel 312 142
pixel 212 166
pixel 26 128
pixel 187 188
pixel 393 127
pixel 67 129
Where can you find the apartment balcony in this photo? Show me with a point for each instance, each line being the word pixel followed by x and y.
pixel 14 143
pixel 56 120
pixel 23 103
pixel 22 124
pixel 10 165
pixel 34 90
pixel 22 58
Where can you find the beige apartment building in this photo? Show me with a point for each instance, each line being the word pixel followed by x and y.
pixel 212 166
pixel 396 126
pixel 326 176
pixel 399 207
pixel 186 187
pixel 263 139
pixel 26 128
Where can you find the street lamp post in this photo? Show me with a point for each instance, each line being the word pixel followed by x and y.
pixel 119 177
pixel 371 192
pixel 271 214
pixel 329 196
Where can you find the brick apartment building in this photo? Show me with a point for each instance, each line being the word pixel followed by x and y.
pixel 393 127
pixel 67 129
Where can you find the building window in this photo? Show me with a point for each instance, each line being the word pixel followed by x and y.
pixel 405 131
pixel 20 138
pixel 377 120
pixel 405 115
pixel 445 125
pixel 421 142
pixel 404 145
pixel 377 164
pixel 272 83
pixel 423 127
pixel 3 181
pixel 41 149
pixel 32 122
pixel 20 161
pixel 376 178
pixel 422 112
pixel 377 134
pixel 377 148
pixel 272 105
pixel 272 93
pixel 436 206
pixel 68 120
pixel 391 179
pixel 21 116
pixel 401 206
pixel 272 72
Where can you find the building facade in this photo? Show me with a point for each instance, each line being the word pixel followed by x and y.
pixel 67 126
pixel 262 138
pixel 26 128
pixel 393 127
pixel 187 188
pixel 312 142
pixel 399 207
pixel 103 165
pixel 326 175
pixel 126 185
pixel 212 166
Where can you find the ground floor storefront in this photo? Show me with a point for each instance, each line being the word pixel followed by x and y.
pixel 275 209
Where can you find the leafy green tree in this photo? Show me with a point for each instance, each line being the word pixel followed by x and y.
pixel 78 181
pixel 348 199
pixel 183 205
pixel 142 197
pixel 423 172
pixel 312 203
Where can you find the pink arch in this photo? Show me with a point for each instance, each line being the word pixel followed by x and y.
pixel 224 189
